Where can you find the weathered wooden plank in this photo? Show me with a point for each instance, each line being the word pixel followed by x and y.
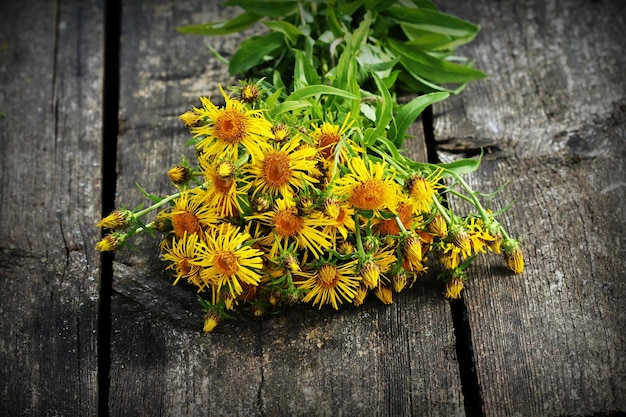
pixel 50 82
pixel 549 342
pixel 396 360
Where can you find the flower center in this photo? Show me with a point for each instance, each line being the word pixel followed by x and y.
pixel 327 276
pixel 276 169
pixel 287 224
pixel 223 185
pixel 185 222
pixel 226 263
pixel 327 142
pixel 369 195
pixel 230 126
pixel 184 266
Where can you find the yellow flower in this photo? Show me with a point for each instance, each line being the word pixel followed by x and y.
pixel 399 280
pixel 360 295
pixel 342 216
pixel 330 284
pixel 366 187
pixel 449 255
pixel 384 294
pixel 327 137
pixel 281 132
pixel 191 118
pixel 281 170
pixel 479 237
pixel 513 256
pixel 453 289
pixel 458 235
pixel 423 189
pixel 222 193
pixel 230 126
pixel 211 320
pixel 370 274
pixel 438 226
pixel 190 214
pixel 412 251
pixel 288 226
pixel 179 174
pixel 249 93
pixel 111 242
pixel 228 261
pixel 184 254
pixel 118 219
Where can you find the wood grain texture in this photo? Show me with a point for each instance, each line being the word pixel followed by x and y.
pixel 50 81
pixel 397 360
pixel 554 67
pixel 549 342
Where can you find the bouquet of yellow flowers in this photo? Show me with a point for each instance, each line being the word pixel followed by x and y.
pixel 301 193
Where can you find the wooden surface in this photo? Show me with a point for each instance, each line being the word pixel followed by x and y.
pixel 550 342
pixel 50 156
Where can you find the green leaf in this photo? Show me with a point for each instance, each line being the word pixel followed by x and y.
pixel 432 21
pixel 431 68
pixel 460 167
pixel 290 31
pixel 384 113
pixel 317 90
pixel 252 51
pixel 270 8
pixel 236 24
pixel 304 72
pixel 409 112
pixel 288 106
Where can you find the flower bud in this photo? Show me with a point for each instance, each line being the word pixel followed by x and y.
pixel 110 243
pixel 179 174
pixel 384 294
pixel 190 118
pixel 211 320
pixel 513 256
pixel 399 280
pixel 281 132
pixel 249 93
pixel 360 295
pixel 438 226
pixel 118 219
pixel 454 288
pixel 370 273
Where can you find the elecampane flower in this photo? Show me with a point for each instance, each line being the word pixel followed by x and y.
pixel 368 187
pixel 330 284
pixel 229 262
pixel 281 170
pixel 230 126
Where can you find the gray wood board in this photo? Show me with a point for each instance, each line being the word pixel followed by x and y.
pixel 551 115
pixel 395 360
pixel 50 87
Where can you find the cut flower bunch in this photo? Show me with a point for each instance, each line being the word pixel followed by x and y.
pixel 300 191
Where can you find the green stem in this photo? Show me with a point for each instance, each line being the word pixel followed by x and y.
pixel 156 205
pixel 359 242
pixel 472 196
pixel 442 210
pixel 400 225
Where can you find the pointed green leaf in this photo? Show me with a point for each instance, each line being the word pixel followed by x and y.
pixel 409 112
pixel 236 24
pixel 431 68
pixel 432 21
pixel 317 90
pixel 252 51
pixel 270 8
pixel 290 31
